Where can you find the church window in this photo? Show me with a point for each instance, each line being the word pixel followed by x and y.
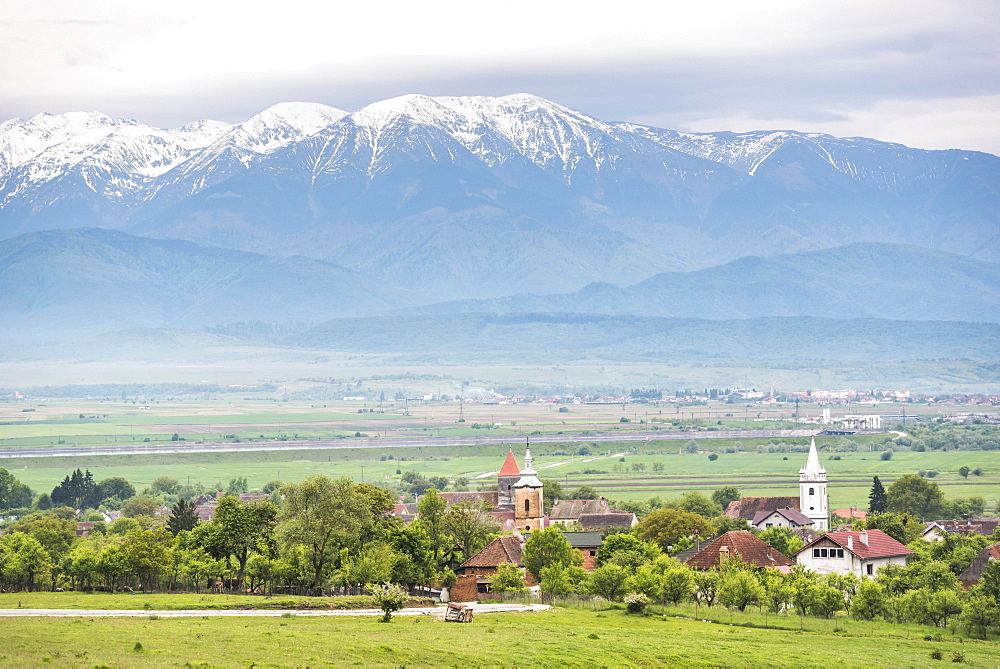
pixel 812 491
pixel 527 506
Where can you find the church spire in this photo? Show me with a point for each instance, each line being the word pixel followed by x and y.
pixel 813 471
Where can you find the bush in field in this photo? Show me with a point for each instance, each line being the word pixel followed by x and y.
pixel 389 597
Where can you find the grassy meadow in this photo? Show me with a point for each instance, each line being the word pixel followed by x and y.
pixel 558 637
pixel 380 455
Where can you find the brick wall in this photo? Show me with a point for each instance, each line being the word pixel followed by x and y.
pixel 464 589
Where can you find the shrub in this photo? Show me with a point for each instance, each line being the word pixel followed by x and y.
pixel 886 455
pixel 713 456
pixel 389 597
pixel 636 602
pixel 937 655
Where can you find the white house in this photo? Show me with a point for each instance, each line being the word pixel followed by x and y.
pixel 790 518
pixel 860 553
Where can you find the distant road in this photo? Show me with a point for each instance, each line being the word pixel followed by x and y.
pixel 388 442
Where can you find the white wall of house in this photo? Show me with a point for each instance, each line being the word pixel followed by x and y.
pixel 832 559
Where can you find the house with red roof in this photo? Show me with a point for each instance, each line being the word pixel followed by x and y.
pixel 861 553
pixel 740 545
pixel 971 575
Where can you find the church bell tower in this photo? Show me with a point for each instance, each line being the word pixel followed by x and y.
pixel 528 513
pixel 812 491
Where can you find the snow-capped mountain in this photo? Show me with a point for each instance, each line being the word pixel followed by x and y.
pixel 485 196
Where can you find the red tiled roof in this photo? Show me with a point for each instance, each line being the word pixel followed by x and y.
pixel 793 515
pixel 879 544
pixel 572 509
pixel 741 544
pixel 598 521
pixel 851 513
pixel 748 507
pixel 510 466
pixel 453 498
pixel 501 550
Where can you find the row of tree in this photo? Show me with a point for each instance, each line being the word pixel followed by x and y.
pixel 925 591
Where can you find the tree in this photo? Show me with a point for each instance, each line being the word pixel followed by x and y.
pixel 243 529
pixel 608 582
pixel 470 525
pixel 389 597
pixel 678 584
pixel 140 506
pixel 116 487
pixel 706 584
pixel 585 492
pixel 77 490
pixel 13 493
pixel 726 494
pixel 553 491
pixel 902 527
pixel 508 577
pixel 665 527
pixel 914 495
pixel 439 482
pixel 560 580
pixel 431 508
pixel 182 517
pixel 963 471
pixel 877 501
pixel 625 549
pixel 782 539
pixel 739 588
pixel 323 515
pixel 547 548
pixel 147 553
pixel 237 486
pixel 867 603
pixel 981 614
pixel 164 485
pixel 23 561
pixel 695 502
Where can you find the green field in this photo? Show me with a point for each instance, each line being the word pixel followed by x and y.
pixel 67 422
pixel 753 473
pixel 553 638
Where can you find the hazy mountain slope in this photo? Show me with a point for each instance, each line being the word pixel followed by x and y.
pixel 78 281
pixel 854 281
pixel 564 337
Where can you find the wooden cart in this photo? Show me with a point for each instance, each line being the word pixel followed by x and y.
pixel 458 613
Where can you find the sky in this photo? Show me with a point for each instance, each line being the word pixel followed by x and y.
pixel 925 73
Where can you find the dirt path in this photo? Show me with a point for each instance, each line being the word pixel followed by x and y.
pixel 437 611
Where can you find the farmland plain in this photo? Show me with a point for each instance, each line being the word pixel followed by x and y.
pixel 379 441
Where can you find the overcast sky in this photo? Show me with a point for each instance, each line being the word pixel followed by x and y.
pixel 924 73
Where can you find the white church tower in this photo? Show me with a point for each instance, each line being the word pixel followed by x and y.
pixel 812 491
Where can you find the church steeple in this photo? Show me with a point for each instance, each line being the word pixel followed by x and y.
pixel 813 471
pixel 813 500
pixel 508 475
pixel 528 509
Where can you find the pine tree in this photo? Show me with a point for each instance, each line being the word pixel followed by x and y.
pixel 183 517
pixel 878 502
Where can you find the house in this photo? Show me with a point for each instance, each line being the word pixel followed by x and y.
pixel 589 544
pixel 568 511
pixel 741 545
pixel 84 527
pixel 937 530
pixel 812 502
pixel 604 521
pixel 861 553
pixel 790 518
pixel 970 575
pixel 854 513
pixel 475 574
pixel 597 513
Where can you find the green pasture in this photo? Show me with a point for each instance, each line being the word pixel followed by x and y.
pixel 177 601
pixel 554 638
pixel 754 473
